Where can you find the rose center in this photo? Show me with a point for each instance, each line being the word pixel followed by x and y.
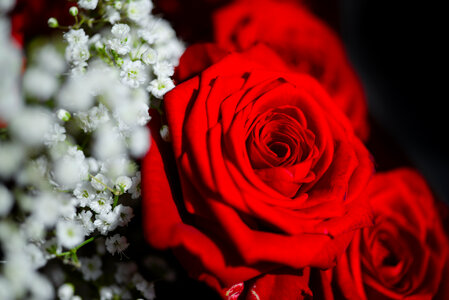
pixel 280 149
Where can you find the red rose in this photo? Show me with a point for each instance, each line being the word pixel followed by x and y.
pixel 303 41
pixel 404 254
pixel 270 171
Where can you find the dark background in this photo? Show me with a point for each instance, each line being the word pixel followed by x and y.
pixel 397 48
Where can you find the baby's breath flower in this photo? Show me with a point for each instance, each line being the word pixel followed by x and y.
pixel 124 214
pixel 63 115
pixel 91 268
pixel 138 10
pixel 76 37
pixel 133 73
pixel 106 222
pixel 135 188
pixel 39 84
pixel 116 244
pixel 160 86
pixel 123 183
pixel 88 4
pixel 31 125
pixel 69 233
pixel 121 43
pixel 85 218
pixel 11 156
pixel 139 141
pixel 73 11
pixel 102 204
pixel 6 201
pixel 163 69
pixel 66 291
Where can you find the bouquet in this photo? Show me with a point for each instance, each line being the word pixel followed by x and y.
pixel 233 165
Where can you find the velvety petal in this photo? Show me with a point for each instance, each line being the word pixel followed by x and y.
pixel 405 253
pixel 305 43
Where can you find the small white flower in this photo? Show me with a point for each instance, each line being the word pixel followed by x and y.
pixel 108 143
pixel 133 73
pixel 76 37
pixel 91 268
pixel 88 4
pixel 149 57
pixel 66 291
pixel 50 60
pixel 70 169
pixel 118 166
pixel 40 287
pixel 6 201
pixel 163 69
pixel 135 188
pixel 148 34
pixel 68 208
pixel 33 229
pixel 99 182
pixel 102 204
pixel 98 115
pixel 121 43
pixel 139 141
pixel 35 255
pixel 94 165
pixel 5 286
pixel 113 292
pixel 131 114
pixel 160 86
pixel 57 134
pixel 63 115
pixel 170 50
pixel 124 213
pixel 39 84
pixel 120 31
pixel 124 272
pixel 112 15
pixel 138 10
pixel 76 94
pixel 6 5
pixel 69 233
pixel 34 173
pixel 116 244
pixel 84 193
pixel 11 156
pixel 106 222
pixel 78 55
pixel 123 183
pixel 46 208
pixel 31 125
pixel 85 217
pixel 145 287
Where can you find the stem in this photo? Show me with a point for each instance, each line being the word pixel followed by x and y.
pixel 83 243
pixel 73 251
pixel 103 184
pixel 115 201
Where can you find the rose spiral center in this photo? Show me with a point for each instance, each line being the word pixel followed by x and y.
pixel 281 149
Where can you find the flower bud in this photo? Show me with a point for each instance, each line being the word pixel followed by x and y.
pixel 63 115
pixel 73 11
pixel 165 134
pixel 53 23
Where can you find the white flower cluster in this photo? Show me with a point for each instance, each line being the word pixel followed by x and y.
pixel 71 129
